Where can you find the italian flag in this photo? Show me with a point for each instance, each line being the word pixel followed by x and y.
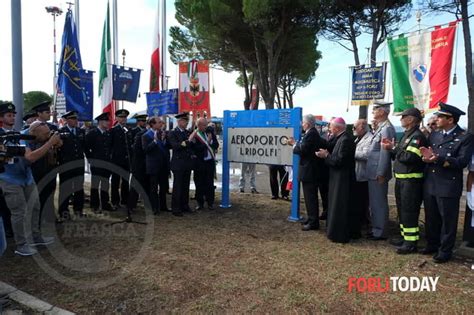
pixel 155 70
pixel 105 72
pixel 421 68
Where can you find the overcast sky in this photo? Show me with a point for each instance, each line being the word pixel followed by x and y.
pixel 327 95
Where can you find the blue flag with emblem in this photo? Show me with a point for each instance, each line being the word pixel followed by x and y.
pixel 126 82
pixel 70 81
pixel 162 103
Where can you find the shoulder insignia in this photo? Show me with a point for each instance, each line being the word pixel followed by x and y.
pixel 446 164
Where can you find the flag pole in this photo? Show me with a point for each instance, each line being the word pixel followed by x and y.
pixel 164 82
pixel 17 62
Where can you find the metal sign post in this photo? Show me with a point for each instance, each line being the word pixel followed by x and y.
pixel 260 137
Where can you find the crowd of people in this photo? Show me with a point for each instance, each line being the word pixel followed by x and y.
pixel 28 183
pixel 427 163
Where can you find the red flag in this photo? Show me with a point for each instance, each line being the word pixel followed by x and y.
pixel 194 88
pixel 155 71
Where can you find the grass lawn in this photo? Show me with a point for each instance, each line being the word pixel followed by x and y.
pixel 248 258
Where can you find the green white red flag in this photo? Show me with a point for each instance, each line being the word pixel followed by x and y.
pixel 105 72
pixel 421 68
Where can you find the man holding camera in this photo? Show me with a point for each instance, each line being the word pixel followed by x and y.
pixel 20 192
pixel 71 161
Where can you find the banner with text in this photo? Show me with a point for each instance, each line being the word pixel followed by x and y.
pixel 368 84
pixel 162 103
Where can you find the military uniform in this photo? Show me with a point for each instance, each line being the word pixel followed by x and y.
pixel 182 161
pixel 71 170
pixel 444 184
pixel 98 149
pixel 121 147
pixel 408 169
pixel 138 169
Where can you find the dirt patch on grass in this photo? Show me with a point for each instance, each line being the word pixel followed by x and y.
pixel 244 259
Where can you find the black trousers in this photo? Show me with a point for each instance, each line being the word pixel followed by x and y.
pixel 323 187
pixel 180 196
pixel 441 217
pixel 204 181
pixel 138 179
pixel 100 180
pixel 408 196
pixel 361 202
pixel 310 192
pixel 468 235
pixel 46 196
pixel 278 185
pixel 71 185
pixel 158 190
pixel 122 183
pixel 6 215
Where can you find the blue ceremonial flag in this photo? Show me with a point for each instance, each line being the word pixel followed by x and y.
pixel 368 84
pixel 85 113
pixel 162 103
pixel 70 70
pixel 126 82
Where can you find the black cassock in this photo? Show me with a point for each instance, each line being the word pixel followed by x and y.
pixel 341 226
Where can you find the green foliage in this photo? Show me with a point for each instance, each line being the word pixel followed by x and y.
pixel 33 98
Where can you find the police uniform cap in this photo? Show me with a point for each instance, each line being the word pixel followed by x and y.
pixel 183 115
pixel 103 116
pixel 415 112
pixel 42 107
pixel 29 115
pixel 141 117
pixel 122 113
pixel 379 104
pixel 7 108
pixel 70 115
pixel 449 110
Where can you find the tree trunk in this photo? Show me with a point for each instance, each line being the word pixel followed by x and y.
pixel 248 96
pixel 468 56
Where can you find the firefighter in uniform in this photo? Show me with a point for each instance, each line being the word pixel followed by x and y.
pixel 121 144
pixel 71 167
pixel 449 153
pixel 98 149
pixel 408 170
pixel 138 166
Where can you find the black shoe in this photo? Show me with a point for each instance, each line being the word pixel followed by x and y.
pixel 178 214
pixel 376 238
pixel 274 197
pixel 441 259
pixel 406 249
pixel 210 207
pixel 396 242
pixel 428 251
pixel 309 227
pixel 107 207
pixel 242 190
pixel 287 198
pixel 323 216
pixel 254 191
pixel 156 212
pixel 199 207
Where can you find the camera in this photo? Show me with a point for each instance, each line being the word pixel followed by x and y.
pixel 10 147
pixel 63 135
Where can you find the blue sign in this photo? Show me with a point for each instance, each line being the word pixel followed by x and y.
pixel 126 82
pixel 368 84
pixel 251 135
pixel 84 112
pixel 162 103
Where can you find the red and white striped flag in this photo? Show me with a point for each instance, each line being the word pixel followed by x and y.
pixel 105 72
pixel 156 70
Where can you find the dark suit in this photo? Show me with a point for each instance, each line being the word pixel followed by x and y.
pixel 138 169
pixel 443 188
pixel 98 149
pixel 71 176
pixel 310 171
pixel 275 184
pixel 157 162
pixel 182 162
pixel 205 169
pixel 121 144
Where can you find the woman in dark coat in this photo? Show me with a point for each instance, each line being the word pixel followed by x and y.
pixel 341 227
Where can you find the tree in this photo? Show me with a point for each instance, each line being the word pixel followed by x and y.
pixel 244 35
pixel 460 9
pixel 346 20
pixel 33 98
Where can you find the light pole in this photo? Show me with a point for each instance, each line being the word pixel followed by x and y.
pixel 54 11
